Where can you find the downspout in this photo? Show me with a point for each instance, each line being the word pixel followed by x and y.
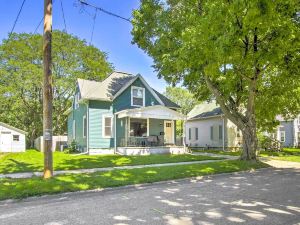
pixel 115 133
pixel 183 134
pixel 87 127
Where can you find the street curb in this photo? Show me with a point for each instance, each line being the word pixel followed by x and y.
pixel 128 187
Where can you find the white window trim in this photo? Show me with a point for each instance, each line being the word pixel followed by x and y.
pixel 83 126
pixel 282 132
pixel 103 126
pixel 139 88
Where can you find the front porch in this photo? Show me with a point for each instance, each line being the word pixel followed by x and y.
pixel 148 130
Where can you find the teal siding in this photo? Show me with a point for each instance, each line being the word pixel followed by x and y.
pixel 123 101
pixel 120 130
pixel 78 117
pixel 70 128
pixel 96 111
pixel 156 126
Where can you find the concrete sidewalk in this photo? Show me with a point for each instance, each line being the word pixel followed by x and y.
pixel 93 170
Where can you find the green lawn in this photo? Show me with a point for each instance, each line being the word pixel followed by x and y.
pixel 287 154
pixel 21 188
pixel 237 153
pixel 32 160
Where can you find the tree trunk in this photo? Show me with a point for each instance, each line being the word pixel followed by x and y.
pixel 249 143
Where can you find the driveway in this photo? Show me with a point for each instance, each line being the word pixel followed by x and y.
pixel 267 196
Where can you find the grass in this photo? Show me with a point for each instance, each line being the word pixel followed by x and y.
pixel 287 154
pixel 237 153
pixel 22 188
pixel 32 160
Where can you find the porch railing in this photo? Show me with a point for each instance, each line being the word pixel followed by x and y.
pixel 148 141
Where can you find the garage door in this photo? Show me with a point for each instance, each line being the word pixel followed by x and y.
pixel 6 141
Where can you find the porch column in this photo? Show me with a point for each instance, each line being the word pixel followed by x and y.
pixel 126 131
pixel 183 134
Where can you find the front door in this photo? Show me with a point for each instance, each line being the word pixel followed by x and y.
pixel 169 132
pixel 5 144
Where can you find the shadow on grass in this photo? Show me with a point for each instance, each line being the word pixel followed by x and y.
pixel 20 188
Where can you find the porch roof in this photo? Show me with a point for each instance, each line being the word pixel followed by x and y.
pixel 154 112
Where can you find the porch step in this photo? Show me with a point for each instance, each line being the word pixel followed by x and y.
pixel 151 150
pixel 101 151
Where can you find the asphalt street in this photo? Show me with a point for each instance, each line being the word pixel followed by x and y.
pixel 267 196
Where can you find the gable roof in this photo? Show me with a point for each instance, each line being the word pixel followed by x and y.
pixel 205 110
pixel 12 128
pixel 114 85
pixel 167 102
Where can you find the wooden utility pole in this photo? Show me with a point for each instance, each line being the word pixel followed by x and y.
pixel 47 90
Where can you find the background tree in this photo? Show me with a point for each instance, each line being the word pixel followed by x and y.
pixel 21 80
pixel 243 53
pixel 181 97
pixel 184 99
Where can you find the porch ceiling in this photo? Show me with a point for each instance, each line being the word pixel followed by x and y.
pixel 154 112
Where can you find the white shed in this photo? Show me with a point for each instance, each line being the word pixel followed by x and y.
pixel 11 139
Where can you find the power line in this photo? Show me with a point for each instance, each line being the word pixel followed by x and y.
pixel 20 10
pixel 62 9
pixel 94 21
pixel 104 11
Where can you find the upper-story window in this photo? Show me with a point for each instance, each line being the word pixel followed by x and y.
pixel 137 96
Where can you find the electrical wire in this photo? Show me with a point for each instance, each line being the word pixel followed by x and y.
pixel 105 11
pixel 16 20
pixel 94 21
pixel 63 14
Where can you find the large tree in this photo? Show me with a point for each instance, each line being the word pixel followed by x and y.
pixel 21 78
pixel 243 53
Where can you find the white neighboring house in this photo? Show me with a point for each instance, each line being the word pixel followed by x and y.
pixel 11 139
pixel 207 127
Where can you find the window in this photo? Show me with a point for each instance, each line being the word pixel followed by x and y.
pixel 196 133
pixel 107 126
pixel 84 126
pixel 137 96
pixel 282 136
pixel 74 129
pixel 211 133
pixel 190 133
pixel 16 137
pixel 138 127
pixel 220 132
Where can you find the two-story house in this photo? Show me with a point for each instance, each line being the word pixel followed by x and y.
pixel 124 115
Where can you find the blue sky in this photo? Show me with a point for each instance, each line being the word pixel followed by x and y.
pixel 111 34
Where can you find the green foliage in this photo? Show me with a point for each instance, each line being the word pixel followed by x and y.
pixel 230 43
pixel 181 97
pixel 268 143
pixel 73 147
pixel 21 78
pixel 22 188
